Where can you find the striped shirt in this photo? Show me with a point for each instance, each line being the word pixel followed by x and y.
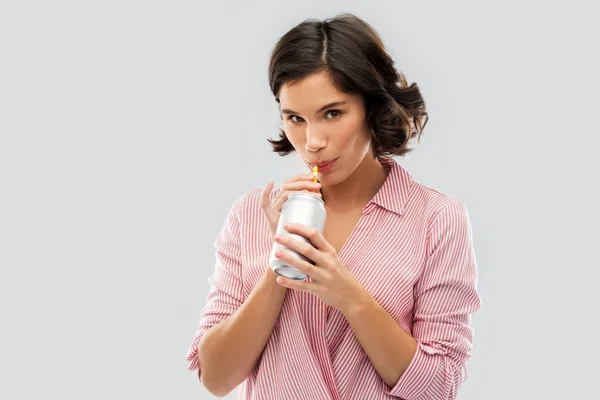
pixel 412 250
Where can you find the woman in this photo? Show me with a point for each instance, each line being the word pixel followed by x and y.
pixel 386 310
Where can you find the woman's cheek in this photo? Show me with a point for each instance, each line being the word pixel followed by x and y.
pixel 293 136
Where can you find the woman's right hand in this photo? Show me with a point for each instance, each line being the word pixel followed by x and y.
pixel 299 183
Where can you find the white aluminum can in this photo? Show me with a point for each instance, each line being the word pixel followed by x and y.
pixel 302 208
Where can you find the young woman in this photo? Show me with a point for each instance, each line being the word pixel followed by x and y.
pixel 386 310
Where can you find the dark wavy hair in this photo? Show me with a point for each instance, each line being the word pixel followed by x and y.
pixel 355 56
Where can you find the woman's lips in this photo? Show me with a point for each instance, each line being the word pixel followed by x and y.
pixel 324 166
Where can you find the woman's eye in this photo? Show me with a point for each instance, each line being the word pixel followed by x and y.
pixel 332 114
pixel 295 118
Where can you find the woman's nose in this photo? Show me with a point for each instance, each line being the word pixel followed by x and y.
pixel 315 138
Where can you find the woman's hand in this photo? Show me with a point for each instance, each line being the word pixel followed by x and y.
pixel 299 183
pixel 331 281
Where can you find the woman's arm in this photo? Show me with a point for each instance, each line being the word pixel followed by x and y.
pixel 388 346
pixel 229 350
pixel 233 326
pixel 432 365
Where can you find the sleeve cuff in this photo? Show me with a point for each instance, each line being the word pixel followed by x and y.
pixel 192 355
pixel 417 376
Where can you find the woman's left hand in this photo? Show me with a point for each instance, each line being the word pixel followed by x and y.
pixel 331 281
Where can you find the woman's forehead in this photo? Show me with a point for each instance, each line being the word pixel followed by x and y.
pixel 311 93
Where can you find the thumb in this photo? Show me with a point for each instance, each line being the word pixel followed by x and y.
pixel 266 201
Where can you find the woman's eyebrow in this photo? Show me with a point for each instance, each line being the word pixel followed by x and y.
pixel 326 106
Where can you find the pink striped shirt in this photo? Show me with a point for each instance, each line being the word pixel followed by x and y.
pixel 412 250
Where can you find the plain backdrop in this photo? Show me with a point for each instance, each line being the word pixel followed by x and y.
pixel 128 128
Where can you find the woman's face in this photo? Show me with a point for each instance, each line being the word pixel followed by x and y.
pixel 326 127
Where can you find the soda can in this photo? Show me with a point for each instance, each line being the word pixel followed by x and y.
pixel 302 208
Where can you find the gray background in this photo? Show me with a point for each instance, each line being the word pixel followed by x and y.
pixel 129 127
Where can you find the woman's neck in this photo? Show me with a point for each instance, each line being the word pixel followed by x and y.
pixel 358 189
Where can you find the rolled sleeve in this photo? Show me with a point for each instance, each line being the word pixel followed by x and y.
pixel 226 293
pixel 445 298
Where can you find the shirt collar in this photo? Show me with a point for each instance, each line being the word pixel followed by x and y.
pixel 392 195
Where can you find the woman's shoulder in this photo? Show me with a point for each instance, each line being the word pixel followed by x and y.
pixel 420 200
pixel 435 201
pixel 250 217
pixel 249 203
pixel 249 199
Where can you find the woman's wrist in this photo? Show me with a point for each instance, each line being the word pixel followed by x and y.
pixel 269 279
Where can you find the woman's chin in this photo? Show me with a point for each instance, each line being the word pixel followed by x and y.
pixel 330 178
